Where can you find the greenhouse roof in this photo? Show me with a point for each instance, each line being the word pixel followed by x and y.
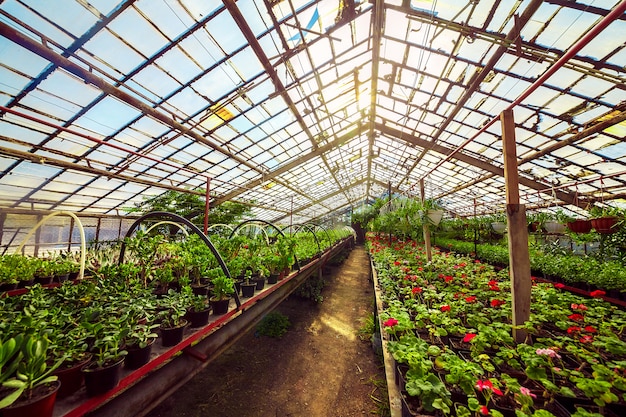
pixel 309 107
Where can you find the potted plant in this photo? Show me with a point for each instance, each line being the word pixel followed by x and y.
pixel 29 387
pixel 223 289
pixel 247 285
pixel 556 222
pixel 71 345
pixel 198 310
pixel 605 219
pixel 139 345
pixel 102 373
pixel 498 223
pixel 579 225
pixel 172 318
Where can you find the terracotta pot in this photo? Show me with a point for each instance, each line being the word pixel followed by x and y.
pixel 580 226
pixel 604 225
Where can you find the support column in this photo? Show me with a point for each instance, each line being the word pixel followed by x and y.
pixel 519 258
pixel 429 254
pixel 207 206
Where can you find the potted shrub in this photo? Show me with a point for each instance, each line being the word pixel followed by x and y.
pixel 139 345
pixel 247 285
pixel 198 310
pixel 172 318
pixel 579 225
pixel 29 389
pixel 223 289
pixel 71 345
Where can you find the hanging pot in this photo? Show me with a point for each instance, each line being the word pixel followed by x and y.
pixel 434 216
pixel 604 225
pixel 498 227
pixel 579 226
pixel 553 227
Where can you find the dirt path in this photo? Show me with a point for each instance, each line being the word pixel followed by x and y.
pixel 320 367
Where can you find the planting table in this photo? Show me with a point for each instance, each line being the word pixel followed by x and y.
pixel 139 391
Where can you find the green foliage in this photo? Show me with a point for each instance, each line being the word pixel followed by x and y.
pixel 311 289
pixel 274 324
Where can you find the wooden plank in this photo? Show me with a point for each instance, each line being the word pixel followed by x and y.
pixel 519 258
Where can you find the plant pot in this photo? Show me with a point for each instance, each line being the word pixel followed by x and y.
pixel 219 306
pixel 198 318
pixel 260 283
pixel 8 287
pixel 553 227
pixel 247 290
pixel 100 380
pixel 434 216
pixel 579 226
pixel 40 405
pixel 604 225
pixel 498 227
pixel 25 283
pixel 199 289
pixel 272 279
pixel 71 377
pixel 62 278
pixel 44 280
pixel 171 336
pixel 138 357
pixel 74 275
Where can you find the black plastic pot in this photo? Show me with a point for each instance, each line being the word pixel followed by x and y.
pixel 100 380
pixel 171 336
pixel 138 357
pixel 247 290
pixel 198 318
pixel 219 306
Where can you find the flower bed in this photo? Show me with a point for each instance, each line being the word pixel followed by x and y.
pixel 449 323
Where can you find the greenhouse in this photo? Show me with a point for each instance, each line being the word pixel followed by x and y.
pixel 387 207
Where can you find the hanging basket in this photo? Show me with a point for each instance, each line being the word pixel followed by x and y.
pixel 498 227
pixel 554 228
pixel 579 226
pixel 434 216
pixel 604 225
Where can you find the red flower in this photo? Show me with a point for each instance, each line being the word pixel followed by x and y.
pixel 486 384
pixel 591 329
pixel 468 337
pixel 445 307
pixel 573 329
pixel 470 299
pixel 397 263
pixel 484 410
pixel 559 286
pixel 581 307
pixel 448 278
pixel 576 317
pixel 390 322
pixel 586 339
pixel 416 290
pixel 597 293
pixel 496 303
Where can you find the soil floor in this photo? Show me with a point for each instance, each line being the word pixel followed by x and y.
pixel 319 368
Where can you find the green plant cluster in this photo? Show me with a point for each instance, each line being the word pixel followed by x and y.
pixel 274 324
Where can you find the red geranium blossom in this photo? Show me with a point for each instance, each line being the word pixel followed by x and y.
pixel 416 290
pixel 576 317
pixel 586 339
pixel 581 307
pixel 486 384
pixel 470 299
pixel 597 293
pixel 591 329
pixel 573 329
pixel 448 278
pixel 468 337
pixel 496 303
pixel 397 263
pixel 390 322
pixel 484 410
pixel 445 307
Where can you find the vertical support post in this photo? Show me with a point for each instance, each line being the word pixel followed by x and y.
pixel 429 254
pixel 207 205
pixel 389 208
pixel 519 258
pixel 291 215
pixel 475 232
pixel 71 232
pixel 37 238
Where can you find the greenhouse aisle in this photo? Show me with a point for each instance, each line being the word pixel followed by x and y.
pixel 319 368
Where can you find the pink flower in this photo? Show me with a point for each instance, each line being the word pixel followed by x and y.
pixel 484 410
pixel 548 352
pixel 581 307
pixel 445 307
pixel 586 339
pixel 526 391
pixel 468 337
pixel 390 322
pixel 559 286
pixel 597 293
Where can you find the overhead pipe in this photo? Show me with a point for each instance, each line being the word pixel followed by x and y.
pixel 582 42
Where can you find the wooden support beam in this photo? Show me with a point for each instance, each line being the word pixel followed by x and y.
pixel 519 258
pixel 429 254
